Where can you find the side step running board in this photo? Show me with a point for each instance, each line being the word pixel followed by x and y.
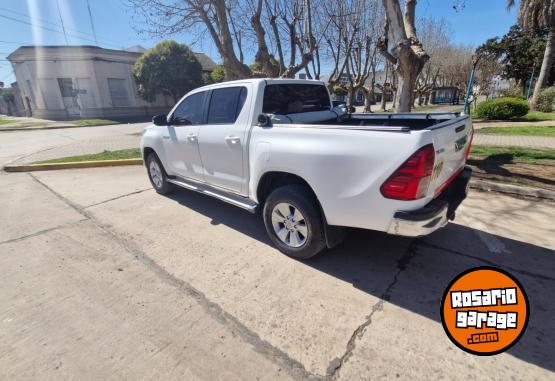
pixel 230 198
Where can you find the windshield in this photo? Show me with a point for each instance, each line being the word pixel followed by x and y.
pixel 295 98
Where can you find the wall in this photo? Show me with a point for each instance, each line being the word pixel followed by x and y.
pixel 90 73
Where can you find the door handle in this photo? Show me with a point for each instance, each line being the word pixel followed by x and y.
pixel 232 139
pixel 192 137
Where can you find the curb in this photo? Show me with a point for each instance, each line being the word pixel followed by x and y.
pixel 474 183
pixel 12 129
pixel 71 165
pixel 512 189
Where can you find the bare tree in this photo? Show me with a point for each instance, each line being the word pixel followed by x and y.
pixel 457 65
pixel 344 21
pixel 166 17
pixel 434 35
pixel 404 50
pixel 233 24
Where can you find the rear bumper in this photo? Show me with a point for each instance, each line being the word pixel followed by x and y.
pixel 436 214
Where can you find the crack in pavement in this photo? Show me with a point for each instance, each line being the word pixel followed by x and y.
pixel 41 232
pixel 118 197
pixel 486 261
pixel 337 363
pixel 293 367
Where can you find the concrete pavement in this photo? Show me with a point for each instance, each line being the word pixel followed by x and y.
pixel 106 279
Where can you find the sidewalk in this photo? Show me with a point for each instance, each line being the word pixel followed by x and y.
pixel 483 124
pixel 29 123
pixel 26 122
pixel 514 140
pixel 84 147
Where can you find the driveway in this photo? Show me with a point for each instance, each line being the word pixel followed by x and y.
pixel 105 279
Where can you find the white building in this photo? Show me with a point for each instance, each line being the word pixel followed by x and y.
pixel 66 82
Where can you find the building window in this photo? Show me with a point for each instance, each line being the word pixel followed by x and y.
pixel 118 92
pixel 66 87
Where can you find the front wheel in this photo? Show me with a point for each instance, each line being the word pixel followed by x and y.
pixel 157 175
pixel 294 222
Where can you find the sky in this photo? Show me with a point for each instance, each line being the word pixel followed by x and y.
pixel 28 22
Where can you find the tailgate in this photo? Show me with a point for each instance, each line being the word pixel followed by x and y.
pixel 451 140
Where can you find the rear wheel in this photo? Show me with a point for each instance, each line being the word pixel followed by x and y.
pixel 294 222
pixel 157 175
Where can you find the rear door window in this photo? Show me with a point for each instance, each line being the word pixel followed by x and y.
pixel 226 105
pixel 295 98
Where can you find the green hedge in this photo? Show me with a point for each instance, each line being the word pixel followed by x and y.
pixel 546 100
pixel 502 109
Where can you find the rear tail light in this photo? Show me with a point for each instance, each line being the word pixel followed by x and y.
pixel 412 179
pixel 467 153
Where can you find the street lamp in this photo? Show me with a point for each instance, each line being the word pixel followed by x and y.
pixel 470 85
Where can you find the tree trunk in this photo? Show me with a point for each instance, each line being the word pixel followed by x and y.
pixel 407 55
pixel 234 69
pixel 263 57
pixel 523 88
pixel 350 96
pixel 405 90
pixel 547 65
pixel 368 99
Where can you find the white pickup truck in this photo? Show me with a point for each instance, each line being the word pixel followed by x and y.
pixel 280 145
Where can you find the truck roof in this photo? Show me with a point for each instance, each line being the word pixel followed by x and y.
pixel 256 81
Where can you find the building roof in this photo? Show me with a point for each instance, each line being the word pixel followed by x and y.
pixel 205 61
pixel 88 52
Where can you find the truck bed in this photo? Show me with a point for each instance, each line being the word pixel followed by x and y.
pixel 410 121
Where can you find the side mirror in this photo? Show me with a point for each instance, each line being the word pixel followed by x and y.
pixel 352 110
pixel 160 120
pixel 263 120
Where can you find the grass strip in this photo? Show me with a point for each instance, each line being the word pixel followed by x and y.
pixel 511 154
pixel 6 121
pixel 133 153
pixel 92 122
pixel 548 131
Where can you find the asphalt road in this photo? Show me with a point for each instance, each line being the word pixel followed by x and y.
pixel 105 279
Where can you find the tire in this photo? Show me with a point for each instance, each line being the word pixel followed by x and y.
pixel 288 232
pixel 157 175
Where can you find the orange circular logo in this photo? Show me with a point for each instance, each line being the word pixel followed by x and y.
pixel 484 311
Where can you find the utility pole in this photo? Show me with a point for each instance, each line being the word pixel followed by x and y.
pixel 62 21
pixel 92 22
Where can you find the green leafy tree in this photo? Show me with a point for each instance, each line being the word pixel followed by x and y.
pixel 539 14
pixel 170 69
pixel 218 74
pixel 518 51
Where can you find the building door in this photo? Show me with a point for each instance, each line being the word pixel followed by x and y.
pixel 84 94
pixel 69 97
